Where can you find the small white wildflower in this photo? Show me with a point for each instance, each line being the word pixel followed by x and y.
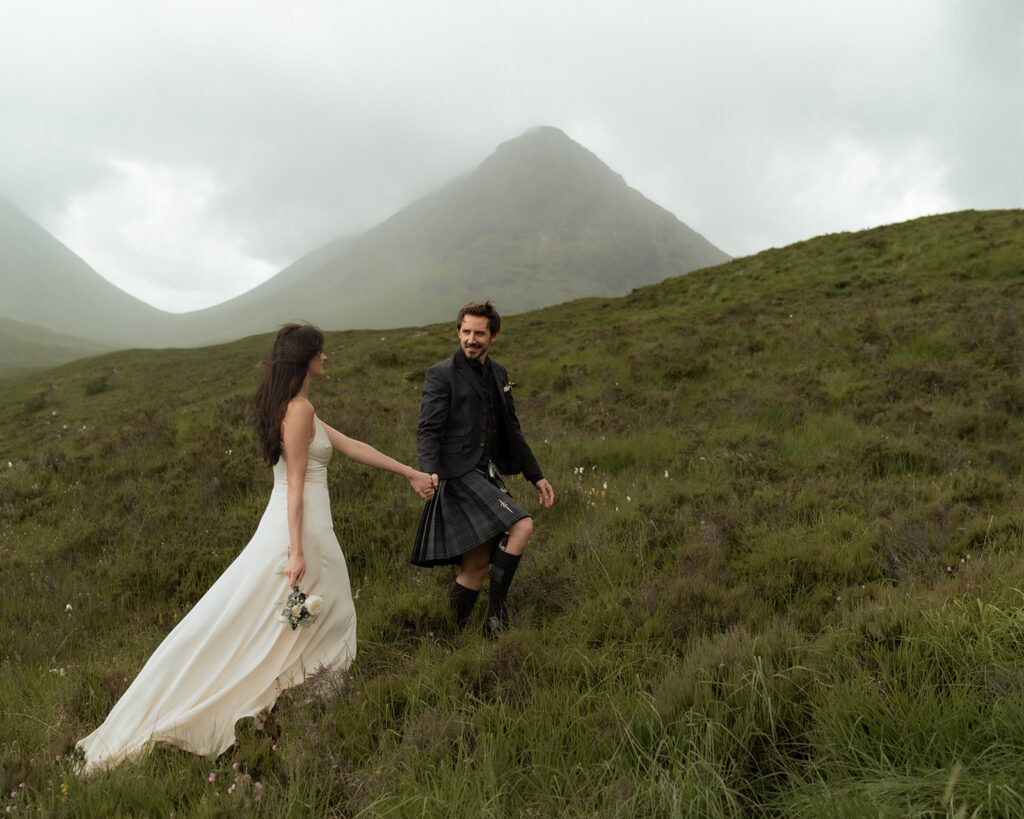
pixel 605 485
pixel 666 473
pixel 10 465
pixel 628 499
pixel 68 608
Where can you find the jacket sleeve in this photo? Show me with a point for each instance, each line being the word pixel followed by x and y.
pixel 526 460
pixel 434 405
pixel 531 469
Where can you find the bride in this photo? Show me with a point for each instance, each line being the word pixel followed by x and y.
pixel 231 655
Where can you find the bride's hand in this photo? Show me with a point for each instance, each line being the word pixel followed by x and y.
pixel 423 484
pixel 295 569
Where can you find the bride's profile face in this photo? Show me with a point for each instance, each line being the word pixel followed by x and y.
pixel 316 364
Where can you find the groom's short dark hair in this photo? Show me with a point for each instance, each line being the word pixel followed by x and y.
pixel 481 308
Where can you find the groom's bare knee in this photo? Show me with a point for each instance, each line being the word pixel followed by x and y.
pixel 518 535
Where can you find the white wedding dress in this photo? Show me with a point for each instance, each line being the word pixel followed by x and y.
pixel 231 655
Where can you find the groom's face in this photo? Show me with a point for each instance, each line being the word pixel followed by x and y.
pixel 475 336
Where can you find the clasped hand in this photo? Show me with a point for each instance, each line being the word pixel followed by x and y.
pixel 424 484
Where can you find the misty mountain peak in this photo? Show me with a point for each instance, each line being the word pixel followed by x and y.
pixel 546 154
pixel 540 221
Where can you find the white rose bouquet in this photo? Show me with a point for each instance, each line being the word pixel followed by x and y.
pixel 301 609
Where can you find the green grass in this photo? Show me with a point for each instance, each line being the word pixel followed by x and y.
pixel 780 578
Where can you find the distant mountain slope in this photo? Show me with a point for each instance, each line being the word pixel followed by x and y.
pixel 540 221
pixel 43 283
pixel 29 347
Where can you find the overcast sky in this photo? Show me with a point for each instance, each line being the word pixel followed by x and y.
pixel 188 150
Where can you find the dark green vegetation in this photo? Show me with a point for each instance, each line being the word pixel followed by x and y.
pixel 780 578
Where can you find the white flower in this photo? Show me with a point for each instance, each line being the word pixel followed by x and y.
pixel 300 609
pixel 67 608
pixel 666 473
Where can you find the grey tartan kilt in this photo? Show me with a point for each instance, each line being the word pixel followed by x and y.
pixel 464 513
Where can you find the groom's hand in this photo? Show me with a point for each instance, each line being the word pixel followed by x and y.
pixel 545 493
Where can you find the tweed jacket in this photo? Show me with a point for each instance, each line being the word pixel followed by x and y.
pixel 451 433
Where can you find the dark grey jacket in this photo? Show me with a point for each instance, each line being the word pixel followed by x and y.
pixel 450 434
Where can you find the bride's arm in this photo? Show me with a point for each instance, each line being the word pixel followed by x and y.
pixel 421 482
pixel 296 431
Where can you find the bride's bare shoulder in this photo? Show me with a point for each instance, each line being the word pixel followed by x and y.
pixel 299 411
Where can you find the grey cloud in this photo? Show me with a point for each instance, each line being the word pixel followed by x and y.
pixel 320 119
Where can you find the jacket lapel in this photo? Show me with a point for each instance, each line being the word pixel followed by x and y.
pixel 462 366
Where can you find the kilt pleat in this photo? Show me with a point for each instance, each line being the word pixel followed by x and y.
pixel 464 513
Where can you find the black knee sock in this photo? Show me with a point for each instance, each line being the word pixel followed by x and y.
pixel 503 568
pixel 462 601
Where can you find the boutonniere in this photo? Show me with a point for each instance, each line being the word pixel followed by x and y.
pixel 508 387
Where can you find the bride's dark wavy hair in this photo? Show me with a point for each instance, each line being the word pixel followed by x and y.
pixel 283 373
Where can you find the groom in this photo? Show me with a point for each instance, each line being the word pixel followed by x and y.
pixel 468 436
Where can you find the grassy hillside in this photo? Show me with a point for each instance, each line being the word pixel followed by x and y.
pixel 27 347
pixel 781 576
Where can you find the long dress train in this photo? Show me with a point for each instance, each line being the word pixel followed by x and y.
pixel 231 656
